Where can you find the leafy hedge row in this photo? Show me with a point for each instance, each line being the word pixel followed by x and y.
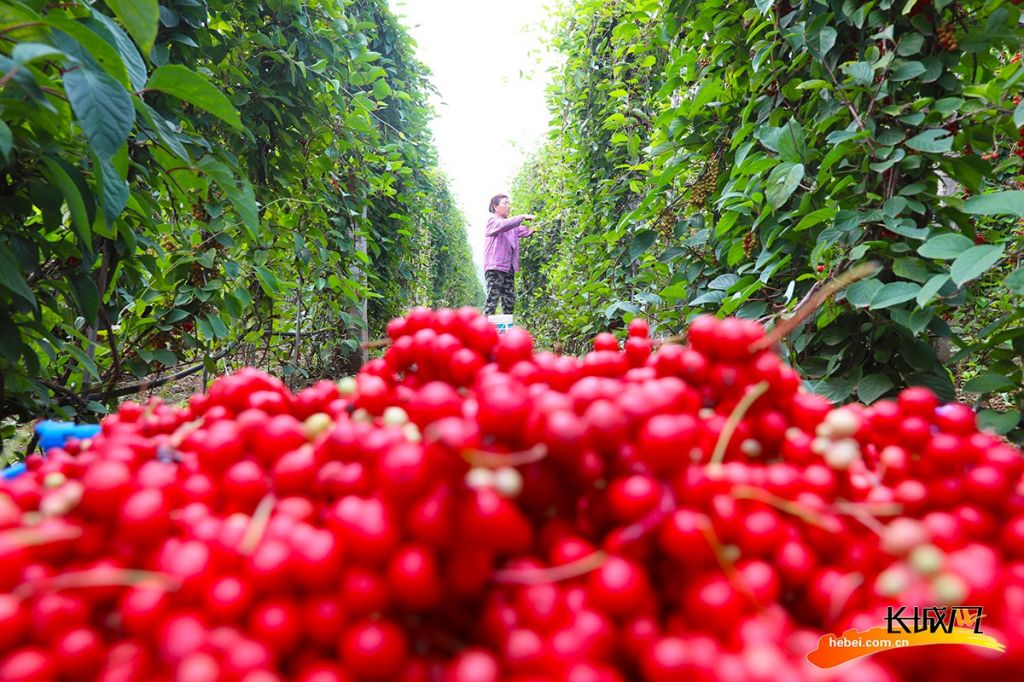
pixel 184 176
pixel 731 156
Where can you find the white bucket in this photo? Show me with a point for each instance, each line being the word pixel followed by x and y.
pixel 502 322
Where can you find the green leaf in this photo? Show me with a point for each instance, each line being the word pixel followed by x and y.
pixel 893 293
pixel 58 175
pixel 987 383
pixel 910 268
pixel 86 294
pixel 826 40
pixel 109 30
pixel 6 141
pixel 140 17
pixel 76 40
pixel 860 293
pixel 86 362
pixel 930 288
pixel 935 141
pixel 906 228
pixel 187 85
pixel 11 279
pixel 24 53
pixel 103 108
pixel 1015 281
pixel 708 297
pixel 945 246
pixel 910 44
pixel 919 320
pixel 997 203
pixel 381 89
pixel 947 105
pixel 814 218
pixel 1018 116
pixel 11 346
pixel 165 357
pixel 217 325
pixel 642 240
pixel 268 280
pixel 115 191
pixel 998 422
pixel 242 198
pixel 836 389
pixel 782 182
pixel 244 201
pixel 974 262
pixel 791 144
pixel 908 71
pixel 860 72
pixel 204 327
pixel 872 387
pixel 175 315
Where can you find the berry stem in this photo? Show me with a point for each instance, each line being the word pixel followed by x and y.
pixel 541 576
pixel 727 565
pixel 30 537
pixel 257 524
pixel 179 435
pixel 97 577
pixel 496 460
pixel 642 527
pixel 844 589
pixel 812 302
pixel 752 394
pixel 749 492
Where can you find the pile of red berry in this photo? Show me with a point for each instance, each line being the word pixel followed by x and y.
pixel 468 509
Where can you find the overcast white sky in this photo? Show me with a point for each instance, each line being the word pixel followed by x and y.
pixel 487 64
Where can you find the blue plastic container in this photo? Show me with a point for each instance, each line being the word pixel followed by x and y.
pixel 52 434
pixel 13 471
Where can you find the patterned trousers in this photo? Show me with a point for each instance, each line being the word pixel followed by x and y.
pixel 500 285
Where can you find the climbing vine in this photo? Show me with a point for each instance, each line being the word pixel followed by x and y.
pixel 732 156
pixel 186 178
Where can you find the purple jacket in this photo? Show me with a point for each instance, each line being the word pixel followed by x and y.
pixel 501 242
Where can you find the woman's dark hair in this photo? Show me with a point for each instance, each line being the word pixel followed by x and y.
pixel 495 200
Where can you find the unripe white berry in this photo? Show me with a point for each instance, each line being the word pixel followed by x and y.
pixel 347 386
pixel 508 482
pixel 903 535
pixel 412 433
pixel 927 559
pixel 950 588
pixel 480 477
pixel 893 581
pixel 842 453
pixel 751 448
pixel 316 425
pixel 394 416
pixel 843 422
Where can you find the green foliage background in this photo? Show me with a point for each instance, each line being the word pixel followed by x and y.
pixel 184 177
pixel 732 155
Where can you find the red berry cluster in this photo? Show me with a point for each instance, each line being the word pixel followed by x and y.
pixel 1019 151
pixel 469 509
pixel 947 38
